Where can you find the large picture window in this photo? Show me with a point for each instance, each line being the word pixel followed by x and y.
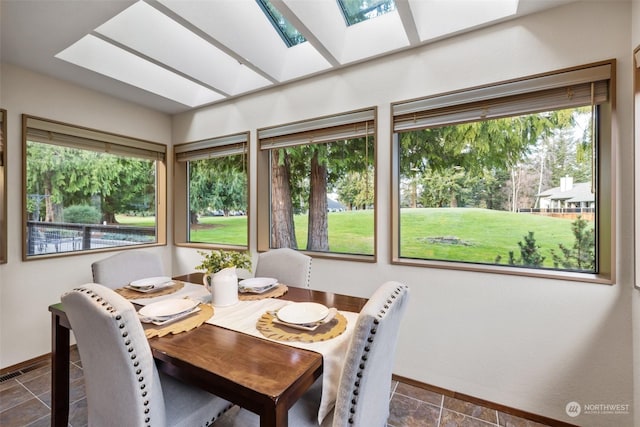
pixel 212 192
pixel 3 186
pixel 515 176
pixel 90 190
pixel 316 186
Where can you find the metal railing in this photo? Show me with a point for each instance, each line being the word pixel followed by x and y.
pixel 55 237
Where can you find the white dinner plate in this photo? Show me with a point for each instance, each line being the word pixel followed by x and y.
pixel 167 308
pixel 164 320
pixel 302 312
pixel 257 283
pixel 151 281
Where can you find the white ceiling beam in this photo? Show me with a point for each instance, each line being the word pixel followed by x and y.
pixel 408 21
pixel 308 34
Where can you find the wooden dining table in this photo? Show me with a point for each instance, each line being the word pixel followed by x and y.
pixel 263 376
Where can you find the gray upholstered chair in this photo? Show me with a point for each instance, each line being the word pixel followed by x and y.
pixel 363 391
pixel 287 265
pixel 125 267
pixel 123 386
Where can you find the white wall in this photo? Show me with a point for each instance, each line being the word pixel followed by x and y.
pixel 527 343
pixel 28 288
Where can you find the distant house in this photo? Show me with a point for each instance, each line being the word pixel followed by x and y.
pixel 335 206
pixel 568 195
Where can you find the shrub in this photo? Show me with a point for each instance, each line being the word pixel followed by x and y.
pixel 82 214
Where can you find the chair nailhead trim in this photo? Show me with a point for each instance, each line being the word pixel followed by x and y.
pixel 364 357
pixel 126 342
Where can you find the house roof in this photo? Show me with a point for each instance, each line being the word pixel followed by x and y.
pixel 580 192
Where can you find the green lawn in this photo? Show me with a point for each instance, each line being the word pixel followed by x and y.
pixel 460 234
pixel 139 221
pixel 230 230
pixel 477 235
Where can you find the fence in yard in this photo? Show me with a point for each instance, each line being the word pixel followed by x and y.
pixel 570 213
pixel 55 237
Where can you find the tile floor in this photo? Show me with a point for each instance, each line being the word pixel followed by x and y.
pixel 25 400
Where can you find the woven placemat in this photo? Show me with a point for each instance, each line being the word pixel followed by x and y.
pixel 131 294
pixel 281 332
pixel 276 292
pixel 182 325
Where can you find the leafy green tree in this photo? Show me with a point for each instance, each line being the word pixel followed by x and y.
pixel 581 256
pixel 497 149
pixel 283 233
pixel 65 176
pixel 311 170
pixel 318 228
pixel 355 189
pixel 131 187
pixel 529 253
pixel 219 183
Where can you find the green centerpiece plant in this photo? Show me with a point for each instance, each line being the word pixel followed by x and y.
pixel 218 259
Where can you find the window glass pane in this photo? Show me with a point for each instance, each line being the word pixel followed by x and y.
pixel 290 35
pixel 79 199
pixel 515 191
pixel 323 197
pixel 355 11
pixel 218 200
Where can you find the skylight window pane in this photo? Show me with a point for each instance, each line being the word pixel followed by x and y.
pixel 355 11
pixel 288 32
pixel 105 58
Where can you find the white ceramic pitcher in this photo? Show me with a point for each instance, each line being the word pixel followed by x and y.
pixel 223 286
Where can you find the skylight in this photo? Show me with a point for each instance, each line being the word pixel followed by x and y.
pixel 290 35
pixel 355 11
pixel 102 57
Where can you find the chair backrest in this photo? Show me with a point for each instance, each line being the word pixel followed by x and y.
pixel 121 380
pixel 287 265
pixel 363 392
pixel 124 267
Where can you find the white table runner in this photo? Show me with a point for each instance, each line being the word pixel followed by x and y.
pixel 243 317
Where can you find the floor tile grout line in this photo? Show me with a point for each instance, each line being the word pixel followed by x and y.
pixel 419 400
pixel 472 417
pixel 393 391
pixel 35 421
pixel 32 393
pixel 441 409
pixel 20 403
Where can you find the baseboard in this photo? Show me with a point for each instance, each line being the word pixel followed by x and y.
pixel 27 364
pixel 482 402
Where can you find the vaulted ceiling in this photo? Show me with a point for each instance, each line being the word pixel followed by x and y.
pixel 176 55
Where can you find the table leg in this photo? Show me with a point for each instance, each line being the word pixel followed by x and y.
pixel 279 417
pixel 59 373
